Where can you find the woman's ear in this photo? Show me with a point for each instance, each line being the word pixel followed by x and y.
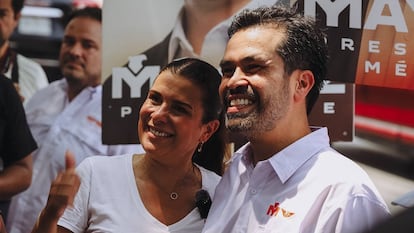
pixel 209 129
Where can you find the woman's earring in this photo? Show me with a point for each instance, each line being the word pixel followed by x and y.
pixel 200 147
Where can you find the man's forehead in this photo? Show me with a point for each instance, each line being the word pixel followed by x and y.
pixel 252 45
pixel 5 4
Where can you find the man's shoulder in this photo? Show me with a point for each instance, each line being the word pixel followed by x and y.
pixel 59 84
pixel 5 81
pixel 48 93
pixel 7 90
pixel 30 67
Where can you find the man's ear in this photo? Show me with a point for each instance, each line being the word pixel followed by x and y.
pixel 304 83
pixel 16 20
pixel 17 17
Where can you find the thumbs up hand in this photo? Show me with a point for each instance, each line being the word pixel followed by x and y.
pixel 61 195
pixel 63 189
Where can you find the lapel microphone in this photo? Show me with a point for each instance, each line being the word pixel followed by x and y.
pixel 203 202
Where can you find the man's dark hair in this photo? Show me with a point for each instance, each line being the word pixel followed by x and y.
pixel 17 6
pixel 304 46
pixel 87 12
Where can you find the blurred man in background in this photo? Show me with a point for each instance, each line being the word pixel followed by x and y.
pixel 27 75
pixel 66 115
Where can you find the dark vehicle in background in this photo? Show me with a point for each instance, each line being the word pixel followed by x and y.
pixel 39 33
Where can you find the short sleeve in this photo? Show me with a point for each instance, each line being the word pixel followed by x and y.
pixel 16 139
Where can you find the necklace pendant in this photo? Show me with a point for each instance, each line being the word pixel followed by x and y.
pixel 173 196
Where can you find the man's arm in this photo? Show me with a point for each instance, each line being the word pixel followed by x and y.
pixel 18 143
pixel 16 177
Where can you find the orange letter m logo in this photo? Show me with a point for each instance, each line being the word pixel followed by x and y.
pixel 273 209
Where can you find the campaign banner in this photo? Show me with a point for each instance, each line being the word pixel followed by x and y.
pixel 371 41
pixel 386 57
pixel 142 47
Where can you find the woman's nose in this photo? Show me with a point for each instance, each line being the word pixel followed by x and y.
pixel 160 114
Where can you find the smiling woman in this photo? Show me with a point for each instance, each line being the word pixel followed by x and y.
pixel 184 97
pixel 169 187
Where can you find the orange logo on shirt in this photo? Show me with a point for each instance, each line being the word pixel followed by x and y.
pixel 273 210
pixel 95 121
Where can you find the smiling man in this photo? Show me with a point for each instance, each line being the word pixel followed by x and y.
pixel 287 178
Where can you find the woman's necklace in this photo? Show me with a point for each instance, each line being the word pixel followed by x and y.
pixel 173 195
pixel 187 181
pixel 184 182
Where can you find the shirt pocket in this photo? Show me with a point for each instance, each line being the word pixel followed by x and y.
pixel 88 131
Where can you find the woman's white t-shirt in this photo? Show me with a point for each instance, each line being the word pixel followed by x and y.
pixel 108 200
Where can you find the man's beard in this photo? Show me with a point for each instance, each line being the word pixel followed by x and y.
pixel 264 118
pixel 240 122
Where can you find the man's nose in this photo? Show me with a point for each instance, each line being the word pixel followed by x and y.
pixel 237 82
pixel 76 49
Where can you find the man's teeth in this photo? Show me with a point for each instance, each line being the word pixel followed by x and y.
pixel 238 102
pixel 158 133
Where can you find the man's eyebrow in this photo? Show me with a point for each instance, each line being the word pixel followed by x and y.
pixel 224 63
pixel 247 59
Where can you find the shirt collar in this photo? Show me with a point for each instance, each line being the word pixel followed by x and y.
pixel 286 162
pixel 178 39
pixel 289 160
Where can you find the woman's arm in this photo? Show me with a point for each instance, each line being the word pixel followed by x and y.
pixel 61 195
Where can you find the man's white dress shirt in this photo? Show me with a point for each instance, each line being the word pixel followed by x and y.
pixel 31 76
pixel 307 187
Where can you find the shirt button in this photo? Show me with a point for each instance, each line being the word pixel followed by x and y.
pixel 253 191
